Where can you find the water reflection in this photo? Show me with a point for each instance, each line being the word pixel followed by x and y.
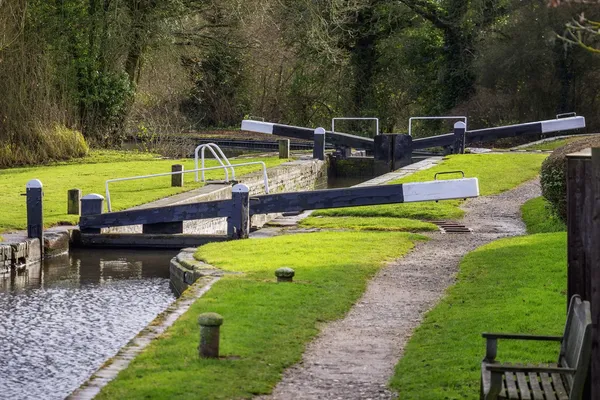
pixel 59 322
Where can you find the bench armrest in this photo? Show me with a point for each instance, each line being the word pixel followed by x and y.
pixel 513 368
pixel 491 345
pixel 519 336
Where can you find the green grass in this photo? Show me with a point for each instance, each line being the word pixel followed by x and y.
pixel 89 175
pixel 510 285
pixel 368 224
pixel 496 173
pixel 266 324
pixel 551 145
pixel 539 218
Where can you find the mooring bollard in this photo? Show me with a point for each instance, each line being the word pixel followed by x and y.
pixel 73 199
pixel 177 179
pixel 91 204
pixel 210 325
pixel 284 148
pixel 319 146
pixel 35 215
pixel 285 274
pixel 459 137
pixel 238 223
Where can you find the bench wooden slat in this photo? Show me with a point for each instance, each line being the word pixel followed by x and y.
pixel 536 389
pixel 547 386
pixel 559 388
pixel 511 386
pixel 522 384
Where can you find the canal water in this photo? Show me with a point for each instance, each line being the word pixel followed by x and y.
pixel 60 322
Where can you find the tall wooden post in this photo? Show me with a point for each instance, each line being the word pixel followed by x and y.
pixel 401 151
pixel 238 223
pixel 284 148
pixel 91 204
pixel 35 212
pixel 595 274
pixel 579 216
pixel 459 138
pixel 177 179
pixel 73 201
pixel 319 146
pixel 382 154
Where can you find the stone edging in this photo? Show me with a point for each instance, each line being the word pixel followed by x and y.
pixel 186 270
pixel 157 327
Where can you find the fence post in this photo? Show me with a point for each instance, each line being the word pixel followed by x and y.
pixel 459 138
pixel 401 151
pixel 177 179
pixel 91 204
pixel 35 215
pixel 595 275
pixel 73 199
pixel 238 223
pixel 382 154
pixel 319 147
pixel 284 148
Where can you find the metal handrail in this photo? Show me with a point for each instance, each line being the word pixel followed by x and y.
pixel 264 167
pixel 357 119
pixel 447 117
pixel 210 146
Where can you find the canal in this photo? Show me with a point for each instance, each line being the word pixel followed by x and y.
pixel 65 318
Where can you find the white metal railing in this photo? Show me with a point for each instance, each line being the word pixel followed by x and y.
pixel 355 119
pixel 264 168
pixel 410 120
pixel 211 147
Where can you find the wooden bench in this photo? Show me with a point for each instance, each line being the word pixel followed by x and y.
pixel 561 381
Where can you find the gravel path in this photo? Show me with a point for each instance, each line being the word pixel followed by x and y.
pixel 354 358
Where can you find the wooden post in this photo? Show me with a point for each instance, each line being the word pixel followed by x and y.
pixel 91 204
pixel 177 179
pixel 35 213
pixel 284 148
pixel 579 216
pixel 459 138
pixel 401 151
pixel 238 224
pixel 382 154
pixel 595 275
pixel 73 199
pixel 319 147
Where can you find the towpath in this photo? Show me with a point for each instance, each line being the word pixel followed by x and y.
pixel 354 358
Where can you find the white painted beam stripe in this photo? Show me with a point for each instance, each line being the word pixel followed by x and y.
pixel 257 126
pixel 563 124
pixel 441 190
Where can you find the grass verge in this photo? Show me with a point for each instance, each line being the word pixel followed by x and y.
pixel 368 224
pixel 510 285
pixel 552 144
pixel 496 173
pixel 539 218
pixel 266 324
pixel 89 174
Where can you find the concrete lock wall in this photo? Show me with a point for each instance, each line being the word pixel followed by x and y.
pixel 295 175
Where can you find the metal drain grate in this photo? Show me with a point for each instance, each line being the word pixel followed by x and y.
pixel 451 227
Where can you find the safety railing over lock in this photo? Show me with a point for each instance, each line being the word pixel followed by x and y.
pixel 224 166
pixel 223 160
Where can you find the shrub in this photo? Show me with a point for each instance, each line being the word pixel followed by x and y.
pixel 554 173
pixel 44 145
